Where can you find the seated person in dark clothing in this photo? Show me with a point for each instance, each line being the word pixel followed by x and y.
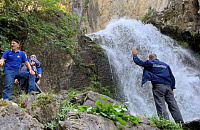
pixel 35 65
pixel 39 71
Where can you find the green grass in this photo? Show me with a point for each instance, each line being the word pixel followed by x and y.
pixel 164 124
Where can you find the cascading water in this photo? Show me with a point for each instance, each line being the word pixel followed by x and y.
pixel 118 39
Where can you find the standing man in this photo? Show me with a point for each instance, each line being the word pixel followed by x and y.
pixel 163 83
pixel 13 59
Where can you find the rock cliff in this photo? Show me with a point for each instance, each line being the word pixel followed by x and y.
pixel 61 70
pixel 98 13
pixel 89 67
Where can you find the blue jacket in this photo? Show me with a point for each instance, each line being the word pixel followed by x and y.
pixel 156 72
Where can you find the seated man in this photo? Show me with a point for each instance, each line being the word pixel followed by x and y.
pixel 39 70
pixel 13 59
pixel 34 65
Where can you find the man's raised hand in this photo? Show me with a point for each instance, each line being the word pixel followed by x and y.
pixel 134 51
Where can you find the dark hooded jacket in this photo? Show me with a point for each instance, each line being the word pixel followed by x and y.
pixel 156 72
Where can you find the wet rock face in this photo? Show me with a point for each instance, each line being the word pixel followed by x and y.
pixel 61 71
pixel 92 65
pixel 12 117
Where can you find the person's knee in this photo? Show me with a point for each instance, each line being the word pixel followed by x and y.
pixel 38 82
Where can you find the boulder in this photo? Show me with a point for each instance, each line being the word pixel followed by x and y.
pixel 43 109
pixel 86 121
pixel 192 125
pixel 89 98
pixel 12 117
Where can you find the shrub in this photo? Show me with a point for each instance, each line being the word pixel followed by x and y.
pixel 164 124
pixel 112 111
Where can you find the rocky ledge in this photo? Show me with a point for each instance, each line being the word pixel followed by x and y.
pixel 26 113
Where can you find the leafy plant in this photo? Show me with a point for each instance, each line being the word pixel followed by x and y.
pixel 51 125
pixel 22 98
pixel 3 103
pixel 143 17
pixel 67 106
pixel 150 11
pixel 112 111
pixel 169 14
pixel 164 124
pixel 21 107
pixel 184 44
pixel 43 100
pixel 96 86
pixel 193 34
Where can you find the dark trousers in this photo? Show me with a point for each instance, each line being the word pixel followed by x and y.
pixel 163 93
pixel 24 84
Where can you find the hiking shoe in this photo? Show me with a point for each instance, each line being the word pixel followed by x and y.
pixel 34 93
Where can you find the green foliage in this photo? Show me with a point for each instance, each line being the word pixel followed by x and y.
pixel 20 105
pixel 44 21
pixel 51 125
pixel 142 18
pixel 22 98
pixel 150 12
pixel 193 34
pixel 67 106
pixel 86 5
pixel 97 48
pixel 3 103
pixel 169 14
pixel 164 124
pixel 43 100
pixel 112 111
pixel 184 44
pixel 96 86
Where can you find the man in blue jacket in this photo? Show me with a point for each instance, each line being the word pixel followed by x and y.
pixel 13 59
pixel 163 83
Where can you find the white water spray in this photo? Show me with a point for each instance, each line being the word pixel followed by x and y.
pixel 118 39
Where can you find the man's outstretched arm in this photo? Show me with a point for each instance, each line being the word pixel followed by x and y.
pixel 29 67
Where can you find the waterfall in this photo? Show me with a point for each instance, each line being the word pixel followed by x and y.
pixel 118 39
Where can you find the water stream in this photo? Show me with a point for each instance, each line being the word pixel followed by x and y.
pixel 118 39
